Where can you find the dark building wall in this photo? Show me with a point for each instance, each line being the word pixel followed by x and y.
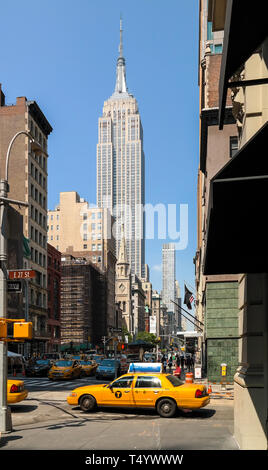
pixel 222 329
pixel 14 232
pixel 54 288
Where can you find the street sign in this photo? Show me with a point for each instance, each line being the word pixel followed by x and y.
pixel 21 274
pixel 14 286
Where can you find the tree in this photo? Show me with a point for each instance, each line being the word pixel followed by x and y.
pixel 147 337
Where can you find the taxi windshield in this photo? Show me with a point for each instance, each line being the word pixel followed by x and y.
pixel 85 363
pixel 42 362
pixel 63 363
pixel 176 382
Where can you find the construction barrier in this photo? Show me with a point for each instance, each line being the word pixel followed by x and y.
pixel 189 378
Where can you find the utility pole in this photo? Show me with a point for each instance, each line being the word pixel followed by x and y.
pixel 5 414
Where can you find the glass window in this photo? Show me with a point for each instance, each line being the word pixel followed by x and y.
pixel 148 382
pixel 233 145
pixel 209 31
pixel 218 48
pixel 174 380
pixel 124 382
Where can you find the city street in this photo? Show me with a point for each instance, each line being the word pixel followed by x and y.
pixel 45 421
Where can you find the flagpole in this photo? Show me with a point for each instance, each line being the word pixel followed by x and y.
pixel 190 315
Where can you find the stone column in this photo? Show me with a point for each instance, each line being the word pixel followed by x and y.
pixel 250 381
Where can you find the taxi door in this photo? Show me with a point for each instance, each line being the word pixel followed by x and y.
pixel 119 392
pixel 146 390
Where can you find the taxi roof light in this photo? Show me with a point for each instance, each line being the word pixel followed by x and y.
pixel 145 367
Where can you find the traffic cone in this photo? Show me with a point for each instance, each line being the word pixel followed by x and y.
pixel 209 389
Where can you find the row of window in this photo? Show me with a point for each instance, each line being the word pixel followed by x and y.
pixel 141 382
pixel 37 135
pixel 38 197
pixel 37 175
pixel 38 258
pixel 37 237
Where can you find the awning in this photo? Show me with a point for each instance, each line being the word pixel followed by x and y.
pixel 245 29
pixel 237 227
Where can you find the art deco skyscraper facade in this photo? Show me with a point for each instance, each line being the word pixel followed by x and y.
pixel 169 278
pixel 120 166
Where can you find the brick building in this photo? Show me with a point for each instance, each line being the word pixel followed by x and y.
pixel 82 231
pixel 54 294
pixel 217 295
pixel 28 182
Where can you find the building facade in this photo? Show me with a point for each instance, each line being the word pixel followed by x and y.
pixel 138 305
pixel 83 302
pixel 28 182
pixel 238 201
pixel 54 295
pixel 168 283
pixel 216 295
pixel 82 231
pixel 120 167
pixel 123 287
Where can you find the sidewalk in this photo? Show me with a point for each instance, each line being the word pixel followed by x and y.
pixel 218 390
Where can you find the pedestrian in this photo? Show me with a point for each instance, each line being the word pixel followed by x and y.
pixel 188 362
pixel 177 372
pixel 178 362
pixel 182 361
pixel 170 363
pixel 164 363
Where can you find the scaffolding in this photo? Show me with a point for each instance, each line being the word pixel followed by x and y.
pixel 83 302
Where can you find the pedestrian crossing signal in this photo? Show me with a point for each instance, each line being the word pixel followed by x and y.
pixel 23 330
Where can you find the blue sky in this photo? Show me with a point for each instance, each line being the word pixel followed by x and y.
pixel 63 55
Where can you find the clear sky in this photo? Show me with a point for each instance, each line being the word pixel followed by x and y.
pixel 62 54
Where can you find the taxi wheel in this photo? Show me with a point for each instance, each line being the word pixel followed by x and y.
pixel 87 403
pixel 166 408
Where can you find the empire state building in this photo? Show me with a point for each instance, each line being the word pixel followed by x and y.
pixel 120 166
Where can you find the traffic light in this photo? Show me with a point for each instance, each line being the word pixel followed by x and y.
pixel 122 347
pixel 3 330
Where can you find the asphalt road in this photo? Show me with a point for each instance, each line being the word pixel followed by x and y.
pixel 44 421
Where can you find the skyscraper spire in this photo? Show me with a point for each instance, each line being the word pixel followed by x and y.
pixel 121 39
pixel 121 85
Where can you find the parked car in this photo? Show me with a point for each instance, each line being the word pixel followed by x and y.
pixel 108 369
pixel 39 368
pixel 88 367
pixel 15 391
pixel 65 369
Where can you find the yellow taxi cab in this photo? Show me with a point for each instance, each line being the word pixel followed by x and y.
pixel 65 369
pixel 88 367
pixel 15 391
pixel 142 388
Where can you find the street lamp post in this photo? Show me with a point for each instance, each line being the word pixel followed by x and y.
pixel 5 415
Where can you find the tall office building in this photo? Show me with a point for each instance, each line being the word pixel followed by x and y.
pixel 168 281
pixel 120 166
